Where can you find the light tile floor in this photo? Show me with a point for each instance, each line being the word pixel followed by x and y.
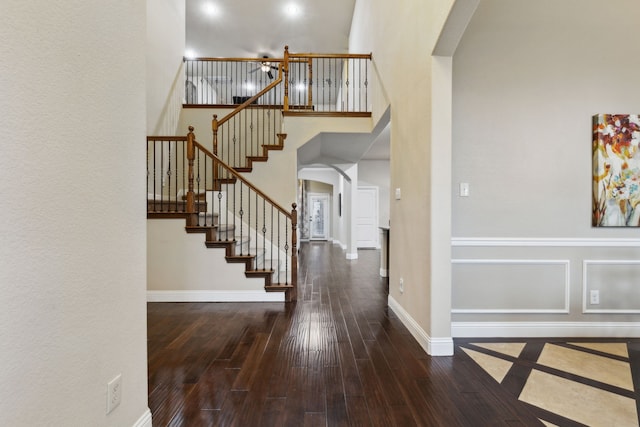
pixel 566 383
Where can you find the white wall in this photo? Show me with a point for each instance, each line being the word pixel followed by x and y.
pixel 72 259
pixel 165 79
pixel 528 76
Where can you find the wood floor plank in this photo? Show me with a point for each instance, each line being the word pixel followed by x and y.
pixel 337 357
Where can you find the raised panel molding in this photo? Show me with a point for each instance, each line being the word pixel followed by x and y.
pixel 603 286
pixel 566 284
pixel 545 329
pixel 549 242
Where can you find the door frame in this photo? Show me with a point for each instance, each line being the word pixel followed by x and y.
pixel 327 216
pixel 376 217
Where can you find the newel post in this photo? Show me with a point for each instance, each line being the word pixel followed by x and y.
pixel 293 292
pixel 191 155
pixel 286 78
pixel 214 127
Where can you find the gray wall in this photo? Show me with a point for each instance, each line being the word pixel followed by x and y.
pixel 528 77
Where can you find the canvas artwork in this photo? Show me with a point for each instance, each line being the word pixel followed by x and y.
pixel 616 170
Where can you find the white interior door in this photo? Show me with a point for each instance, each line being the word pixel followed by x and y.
pixel 318 216
pixel 367 218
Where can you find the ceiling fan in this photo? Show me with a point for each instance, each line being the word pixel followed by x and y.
pixel 265 67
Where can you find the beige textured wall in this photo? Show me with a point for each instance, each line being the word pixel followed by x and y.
pixel 165 49
pixel 401 36
pixel 72 259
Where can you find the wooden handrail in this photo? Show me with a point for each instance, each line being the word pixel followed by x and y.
pixel 238 176
pixel 332 55
pixel 255 97
pixel 166 138
pixel 234 59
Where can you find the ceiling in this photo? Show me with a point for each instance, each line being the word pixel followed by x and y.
pixel 251 29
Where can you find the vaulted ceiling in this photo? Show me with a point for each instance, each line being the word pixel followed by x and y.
pixel 251 29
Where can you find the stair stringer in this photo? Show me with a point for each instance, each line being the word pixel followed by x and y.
pixel 267 249
pixel 181 268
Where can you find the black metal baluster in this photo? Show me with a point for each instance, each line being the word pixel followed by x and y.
pixel 264 235
pixel 366 85
pixel 271 240
pixel 286 253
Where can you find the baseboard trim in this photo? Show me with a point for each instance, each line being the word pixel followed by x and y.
pixel 545 329
pixel 144 420
pixel 214 296
pixel 433 346
pixel 352 255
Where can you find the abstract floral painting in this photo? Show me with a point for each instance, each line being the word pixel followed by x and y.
pixel 616 170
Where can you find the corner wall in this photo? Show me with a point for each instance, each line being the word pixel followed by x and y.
pixel 528 77
pixel 401 37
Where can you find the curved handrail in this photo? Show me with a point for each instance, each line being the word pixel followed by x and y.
pixel 255 97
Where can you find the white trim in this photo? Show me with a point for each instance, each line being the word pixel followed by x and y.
pixel 567 286
pixel 532 242
pixel 326 197
pixel 433 346
pixel 352 255
pixel 339 243
pixel 585 264
pixel 144 420
pixel 214 296
pixel 545 329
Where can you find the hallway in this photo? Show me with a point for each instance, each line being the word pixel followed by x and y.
pixel 337 357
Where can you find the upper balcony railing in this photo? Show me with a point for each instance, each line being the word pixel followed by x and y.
pixel 312 83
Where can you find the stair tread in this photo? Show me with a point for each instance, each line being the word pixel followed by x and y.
pixel 278 287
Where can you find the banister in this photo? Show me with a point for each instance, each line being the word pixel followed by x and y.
pixel 266 89
pixel 241 178
pixel 166 138
pixel 332 55
pixel 184 59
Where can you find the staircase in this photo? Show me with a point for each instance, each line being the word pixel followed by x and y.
pixel 251 228
pixel 207 187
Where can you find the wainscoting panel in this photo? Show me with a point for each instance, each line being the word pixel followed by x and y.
pixel 490 286
pixel 617 283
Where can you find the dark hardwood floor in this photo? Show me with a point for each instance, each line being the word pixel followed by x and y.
pixel 337 357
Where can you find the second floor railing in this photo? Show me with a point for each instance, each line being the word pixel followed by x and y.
pixel 318 83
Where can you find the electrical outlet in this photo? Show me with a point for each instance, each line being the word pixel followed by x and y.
pixel 401 285
pixel 594 297
pixel 114 393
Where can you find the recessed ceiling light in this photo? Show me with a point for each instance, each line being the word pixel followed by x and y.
pixel 292 10
pixel 210 9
